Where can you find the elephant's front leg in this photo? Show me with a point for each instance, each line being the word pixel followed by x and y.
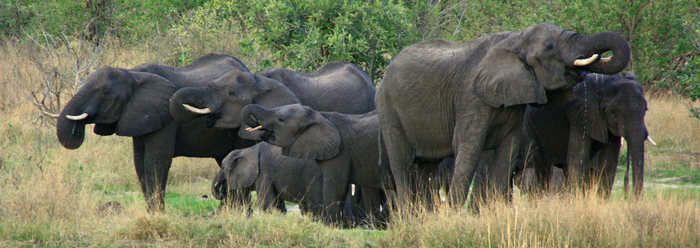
pixel 153 155
pixel 607 161
pixel 470 133
pixel 335 190
pixel 577 158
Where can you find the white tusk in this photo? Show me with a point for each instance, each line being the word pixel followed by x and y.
pixel 250 129
pixel 216 184
pixel 651 140
pixel 582 62
pixel 606 59
pixel 203 111
pixel 77 117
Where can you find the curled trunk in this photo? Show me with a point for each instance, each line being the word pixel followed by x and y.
pixel 598 44
pixel 71 133
pixel 219 186
pixel 254 114
pixel 191 96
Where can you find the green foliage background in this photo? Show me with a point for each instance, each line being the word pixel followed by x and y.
pixel 305 34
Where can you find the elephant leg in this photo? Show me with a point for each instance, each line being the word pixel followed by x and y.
pixel 427 185
pixel 335 189
pixel 577 159
pixel 153 154
pixel 607 160
pixel 267 196
pixel 400 155
pixel 468 142
pixel 371 203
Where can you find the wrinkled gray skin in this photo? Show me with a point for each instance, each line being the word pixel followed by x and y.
pixel 275 177
pixel 441 99
pixel 135 103
pixel 583 136
pixel 344 146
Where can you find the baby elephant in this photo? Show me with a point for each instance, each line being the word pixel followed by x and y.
pixel 344 146
pixel 275 177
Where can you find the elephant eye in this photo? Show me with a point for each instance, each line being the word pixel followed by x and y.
pixel 231 93
pixel 280 120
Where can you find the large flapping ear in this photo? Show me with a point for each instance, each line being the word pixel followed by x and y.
pixel 148 109
pixel 317 138
pixel 503 80
pixel 585 109
pixel 246 166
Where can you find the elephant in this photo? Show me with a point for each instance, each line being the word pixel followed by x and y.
pixel 440 99
pixel 336 86
pixel 344 146
pixel 135 103
pixel 275 177
pixel 583 136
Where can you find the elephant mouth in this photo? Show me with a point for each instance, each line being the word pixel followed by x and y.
pixel 212 119
pixel 267 135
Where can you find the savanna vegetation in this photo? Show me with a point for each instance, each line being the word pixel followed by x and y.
pixel 51 196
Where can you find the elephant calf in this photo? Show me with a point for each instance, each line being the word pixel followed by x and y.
pixel 583 136
pixel 344 146
pixel 276 178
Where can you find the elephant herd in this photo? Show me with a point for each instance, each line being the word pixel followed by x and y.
pixel 444 112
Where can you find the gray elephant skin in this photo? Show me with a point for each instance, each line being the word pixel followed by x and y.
pixel 344 146
pixel 583 136
pixel 135 103
pixel 441 99
pixel 275 177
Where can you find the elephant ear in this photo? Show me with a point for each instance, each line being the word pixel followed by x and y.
pixel 318 138
pixel 245 170
pixel 503 79
pixel 148 109
pixel 586 112
pixel 105 129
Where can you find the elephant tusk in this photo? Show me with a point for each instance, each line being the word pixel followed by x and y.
pixel 216 184
pixel 77 117
pixel 606 59
pixel 203 111
pixel 582 62
pixel 50 114
pixel 250 129
pixel 651 140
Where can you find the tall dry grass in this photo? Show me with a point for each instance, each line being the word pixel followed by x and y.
pixel 50 196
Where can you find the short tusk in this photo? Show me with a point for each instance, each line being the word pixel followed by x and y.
pixel 582 62
pixel 203 111
pixel 50 114
pixel 216 184
pixel 250 129
pixel 77 117
pixel 606 59
pixel 651 140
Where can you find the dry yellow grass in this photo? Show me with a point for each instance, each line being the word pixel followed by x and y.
pixel 49 196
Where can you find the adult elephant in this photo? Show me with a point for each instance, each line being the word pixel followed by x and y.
pixel 135 103
pixel 344 146
pixel 440 99
pixel 276 178
pixel 604 110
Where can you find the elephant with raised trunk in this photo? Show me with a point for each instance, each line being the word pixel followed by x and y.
pixel 135 103
pixel 275 177
pixel 344 146
pixel 440 99
pixel 584 135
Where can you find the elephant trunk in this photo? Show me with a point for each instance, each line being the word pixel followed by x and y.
pixel 585 56
pixel 254 114
pixel 219 187
pixel 71 133
pixel 188 103
pixel 635 151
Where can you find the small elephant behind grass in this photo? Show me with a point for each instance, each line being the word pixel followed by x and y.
pixel 344 146
pixel 275 177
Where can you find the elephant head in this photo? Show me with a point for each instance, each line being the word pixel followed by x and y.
pixel 118 101
pixel 223 99
pixel 300 131
pixel 239 170
pixel 542 63
pixel 614 105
